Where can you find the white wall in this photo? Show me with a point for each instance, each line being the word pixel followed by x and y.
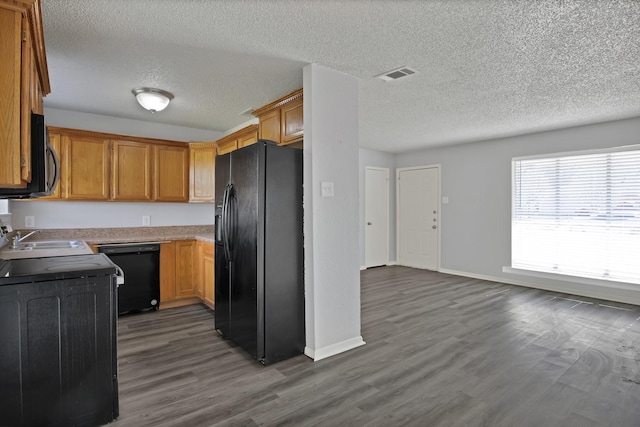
pixel 331 232
pixel 476 177
pixel 4 206
pixel 381 160
pixel 63 214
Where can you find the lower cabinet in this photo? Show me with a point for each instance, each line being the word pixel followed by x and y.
pixel 58 353
pixel 182 272
pixel 207 273
pixel 185 268
pixel 167 272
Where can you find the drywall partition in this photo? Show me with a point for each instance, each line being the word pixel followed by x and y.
pixel 63 214
pixel 382 160
pixel 476 180
pixel 332 279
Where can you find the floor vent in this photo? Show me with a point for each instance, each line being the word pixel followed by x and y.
pixel 396 74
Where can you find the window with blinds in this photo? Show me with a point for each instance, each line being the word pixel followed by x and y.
pixel 578 214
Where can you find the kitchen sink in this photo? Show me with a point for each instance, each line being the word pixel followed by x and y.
pixel 51 244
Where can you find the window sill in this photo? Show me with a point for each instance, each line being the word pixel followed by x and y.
pixel 572 279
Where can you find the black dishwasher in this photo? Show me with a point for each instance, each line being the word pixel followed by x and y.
pixel 140 263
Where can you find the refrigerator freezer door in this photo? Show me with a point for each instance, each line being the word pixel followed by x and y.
pixel 222 279
pixel 245 319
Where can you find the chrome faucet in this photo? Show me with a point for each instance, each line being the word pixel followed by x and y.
pixel 17 239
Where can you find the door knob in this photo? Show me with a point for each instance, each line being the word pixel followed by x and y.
pixel 434 227
pixel 369 223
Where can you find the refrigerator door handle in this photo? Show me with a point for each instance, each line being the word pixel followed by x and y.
pixel 217 233
pixel 225 222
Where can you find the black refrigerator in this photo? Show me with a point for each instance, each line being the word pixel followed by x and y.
pixel 259 282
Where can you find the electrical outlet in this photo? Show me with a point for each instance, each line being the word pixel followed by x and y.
pixel 29 221
pixel 146 220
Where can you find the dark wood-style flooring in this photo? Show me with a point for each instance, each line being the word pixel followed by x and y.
pixel 441 350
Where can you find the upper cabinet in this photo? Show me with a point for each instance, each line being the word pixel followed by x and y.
pixel 131 170
pixel 202 160
pixel 241 138
pixel 101 166
pixel 84 167
pixel 24 80
pixel 282 120
pixel 171 173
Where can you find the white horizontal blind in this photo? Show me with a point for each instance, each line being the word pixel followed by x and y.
pixel 578 215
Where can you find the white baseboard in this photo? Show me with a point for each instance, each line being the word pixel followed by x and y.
pixel 585 290
pixel 362 267
pixel 333 349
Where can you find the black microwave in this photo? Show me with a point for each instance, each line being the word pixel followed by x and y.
pixel 45 168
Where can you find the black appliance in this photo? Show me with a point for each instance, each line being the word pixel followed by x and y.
pixel 58 358
pixel 140 263
pixel 45 168
pixel 259 290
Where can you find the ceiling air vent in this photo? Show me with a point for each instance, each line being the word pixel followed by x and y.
pixel 246 112
pixel 396 74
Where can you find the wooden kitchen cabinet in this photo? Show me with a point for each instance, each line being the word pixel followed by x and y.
pixel 241 138
pixel 248 136
pixel 167 272
pixel 171 173
pixel 84 168
pixel 103 166
pixel 131 171
pixel 202 158
pixel 292 122
pixel 186 273
pixel 206 268
pixel 282 120
pixel 178 271
pixel 224 147
pixel 24 80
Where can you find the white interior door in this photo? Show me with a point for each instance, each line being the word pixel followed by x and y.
pixel 418 217
pixel 376 216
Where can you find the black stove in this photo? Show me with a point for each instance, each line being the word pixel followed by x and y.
pixel 29 270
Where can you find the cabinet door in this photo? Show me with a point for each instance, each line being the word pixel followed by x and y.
pixel 54 141
pixel 26 103
pixel 207 274
pixel 227 146
pixel 85 168
pixel 248 139
pixel 185 268
pixel 10 73
pixel 292 122
pixel 202 170
pixel 171 173
pixel 270 126
pixel 131 171
pixel 167 272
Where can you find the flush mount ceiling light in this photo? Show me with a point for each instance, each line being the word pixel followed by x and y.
pixel 152 99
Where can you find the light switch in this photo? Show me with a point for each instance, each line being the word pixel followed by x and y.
pixel 29 221
pixel 327 189
pixel 445 200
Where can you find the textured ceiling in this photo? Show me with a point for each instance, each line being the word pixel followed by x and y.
pixel 486 69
